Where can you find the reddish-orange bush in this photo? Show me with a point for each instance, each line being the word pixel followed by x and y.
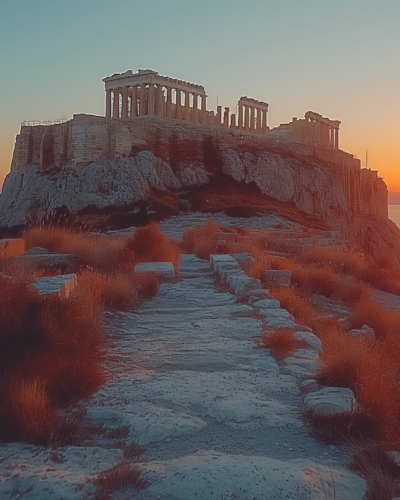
pixel 281 341
pixel 296 303
pixel 98 251
pixel 51 347
pixel 28 414
pixel 150 244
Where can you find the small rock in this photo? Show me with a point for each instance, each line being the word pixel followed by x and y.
pixel 331 401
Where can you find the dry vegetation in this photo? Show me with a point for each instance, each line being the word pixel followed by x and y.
pixel 52 349
pixel 281 341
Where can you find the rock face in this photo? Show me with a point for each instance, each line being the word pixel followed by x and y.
pixel 34 193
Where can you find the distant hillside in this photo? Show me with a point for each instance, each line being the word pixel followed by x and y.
pixel 394 198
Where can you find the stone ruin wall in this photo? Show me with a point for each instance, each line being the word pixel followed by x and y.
pixel 84 139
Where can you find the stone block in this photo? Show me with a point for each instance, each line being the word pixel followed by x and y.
pixel 243 257
pixel 227 259
pixel 309 385
pixel 225 273
pixel 365 333
pixel 11 247
pixel 256 295
pixel 245 284
pixel 331 401
pixel 55 260
pixel 36 251
pixel 267 304
pixel 63 284
pixel 165 269
pixel 225 266
pixel 312 340
pixel 278 277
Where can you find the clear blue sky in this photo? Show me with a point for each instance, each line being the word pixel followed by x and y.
pixel 340 58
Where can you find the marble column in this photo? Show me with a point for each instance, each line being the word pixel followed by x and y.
pixel 203 109
pixel 265 126
pixel 186 112
pixel 125 103
pixel 252 118
pixel 178 105
pixel 246 117
pixel 226 117
pixel 143 100
pixel 116 105
pixel 159 101
pixel 233 121
pixel 337 138
pixel 195 117
pixel 240 124
pixel 151 103
pixel 169 102
pixel 258 120
pixel 134 110
pixel 108 103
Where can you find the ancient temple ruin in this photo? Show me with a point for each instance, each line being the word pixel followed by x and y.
pixel 146 93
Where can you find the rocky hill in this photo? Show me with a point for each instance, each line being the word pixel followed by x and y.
pixel 94 161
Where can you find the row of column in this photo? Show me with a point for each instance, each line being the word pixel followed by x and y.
pixel 142 100
pixel 252 118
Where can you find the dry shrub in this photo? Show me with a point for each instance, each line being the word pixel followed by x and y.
pixel 313 280
pixel 95 250
pixel 341 428
pixel 123 475
pixel 281 341
pixel 368 312
pixel 120 291
pixel 366 368
pixel 295 302
pixel 26 412
pixel 202 240
pixel 149 244
pixel 380 471
pixel 47 341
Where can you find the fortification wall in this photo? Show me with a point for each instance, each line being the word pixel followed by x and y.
pixel 86 138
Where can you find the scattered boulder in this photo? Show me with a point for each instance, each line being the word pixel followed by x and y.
pixel 331 401
pixel 165 269
pixel 63 284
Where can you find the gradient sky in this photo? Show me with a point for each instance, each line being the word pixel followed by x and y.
pixel 339 58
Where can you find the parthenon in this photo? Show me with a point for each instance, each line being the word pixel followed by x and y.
pixel 146 93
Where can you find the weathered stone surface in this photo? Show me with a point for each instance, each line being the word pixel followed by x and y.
pixel 63 284
pixel 277 277
pixel 331 401
pixel 34 193
pixel 243 257
pixel 365 333
pixel 312 340
pixel 310 385
pixel 214 474
pixel 11 247
pixel 222 258
pixel 267 304
pixel 36 251
pixel 57 260
pixel 165 269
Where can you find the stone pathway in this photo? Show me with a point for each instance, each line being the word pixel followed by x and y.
pixel 218 418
